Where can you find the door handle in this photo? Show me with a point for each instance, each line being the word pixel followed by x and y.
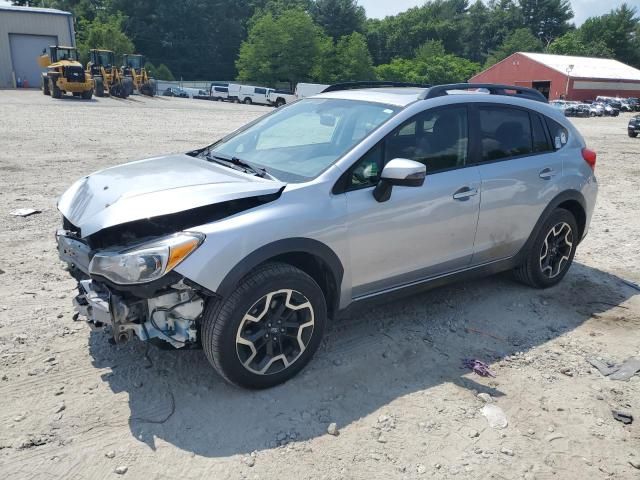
pixel 547 173
pixel 465 193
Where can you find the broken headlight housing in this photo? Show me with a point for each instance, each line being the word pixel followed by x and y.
pixel 147 262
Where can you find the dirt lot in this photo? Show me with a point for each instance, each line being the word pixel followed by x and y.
pixel 75 407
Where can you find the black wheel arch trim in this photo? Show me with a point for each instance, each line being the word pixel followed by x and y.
pixel 278 248
pixel 565 196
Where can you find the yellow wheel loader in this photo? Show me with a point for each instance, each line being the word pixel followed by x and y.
pixel 106 76
pixel 64 73
pixel 133 69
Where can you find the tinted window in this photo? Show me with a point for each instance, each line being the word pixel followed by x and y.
pixel 504 132
pixel 261 91
pixel 540 142
pixel 559 134
pixel 438 138
pixel 221 89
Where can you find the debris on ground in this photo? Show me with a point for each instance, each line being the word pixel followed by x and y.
pixel 333 429
pixel 622 372
pixel 24 212
pixel 121 470
pixel 495 416
pixel 622 416
pixel 478 367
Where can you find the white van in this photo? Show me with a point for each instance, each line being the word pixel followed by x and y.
pixel 250 94
pixel 233 92
pixel 219 92
pixel 308 89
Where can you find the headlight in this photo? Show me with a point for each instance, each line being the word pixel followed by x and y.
pixel 146 262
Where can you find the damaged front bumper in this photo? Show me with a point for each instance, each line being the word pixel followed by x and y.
pixel 170 314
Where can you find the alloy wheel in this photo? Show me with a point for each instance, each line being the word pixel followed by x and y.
pixel 275 332
pixel 556 250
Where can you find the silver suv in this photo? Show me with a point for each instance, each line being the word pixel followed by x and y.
pixel 247 246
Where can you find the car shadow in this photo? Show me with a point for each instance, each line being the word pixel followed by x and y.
pixel 366 361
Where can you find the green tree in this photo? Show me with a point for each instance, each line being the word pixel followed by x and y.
pixel 279 49
pixel 521 40
pixel 353 60
pixel 431 65
pixel 572 43
pixel 338 18
pixel 105 32
pixel 546 19
pixel 163 73
pixel 618 30
pixel 196 39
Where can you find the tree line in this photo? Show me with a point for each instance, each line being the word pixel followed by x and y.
pixel 276 42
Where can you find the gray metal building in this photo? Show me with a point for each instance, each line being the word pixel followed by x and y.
pixel 24 33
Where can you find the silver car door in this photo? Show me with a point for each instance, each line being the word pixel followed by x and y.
pixel 419 232
pixel 520 172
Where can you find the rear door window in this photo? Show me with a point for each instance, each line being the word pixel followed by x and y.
pixel 504 132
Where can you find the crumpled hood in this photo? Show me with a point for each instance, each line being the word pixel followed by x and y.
pixel 153 187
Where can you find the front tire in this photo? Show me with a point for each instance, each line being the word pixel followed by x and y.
pixel 98 86
pixel 53 88
pixel 268 329
pixel 551 252
pixel 45 86
pixel 633 134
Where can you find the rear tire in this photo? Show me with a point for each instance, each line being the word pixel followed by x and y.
pixel 633 134
pixel 247 101
pixel 87 95
pixel 268 329
pixel 551 252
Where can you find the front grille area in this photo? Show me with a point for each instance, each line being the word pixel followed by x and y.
pixel 74 74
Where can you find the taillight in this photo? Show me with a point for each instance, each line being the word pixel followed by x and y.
pixel 589 157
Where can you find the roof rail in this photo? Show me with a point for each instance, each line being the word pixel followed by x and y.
pixel 371 84
pixel 493 88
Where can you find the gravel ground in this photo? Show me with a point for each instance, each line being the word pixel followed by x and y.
pixel 389 378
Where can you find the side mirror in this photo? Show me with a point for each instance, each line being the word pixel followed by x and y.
pixel 400 172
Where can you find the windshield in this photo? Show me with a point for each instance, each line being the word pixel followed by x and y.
pixel 134 61
pixel 104 58
pixel 299 142
pixel 66 54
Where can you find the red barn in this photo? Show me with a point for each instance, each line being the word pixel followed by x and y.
pixel 562 76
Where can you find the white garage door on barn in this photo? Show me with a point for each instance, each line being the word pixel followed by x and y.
pixel 25 50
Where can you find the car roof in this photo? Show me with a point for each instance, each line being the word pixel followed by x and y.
pixel 398 96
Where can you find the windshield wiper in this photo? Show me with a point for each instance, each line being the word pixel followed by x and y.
pixel 243 164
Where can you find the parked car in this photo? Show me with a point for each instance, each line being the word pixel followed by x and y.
pixel 559 104
pixel 304 90
pixel 175 92
pixel 577 110
pixel 278 98
pixel 635 103
pixel 250 94
pixel 597 109
pixel 634 126
pixel 246 247
pixel 219 93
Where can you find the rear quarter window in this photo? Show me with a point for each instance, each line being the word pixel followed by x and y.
pixel 559 134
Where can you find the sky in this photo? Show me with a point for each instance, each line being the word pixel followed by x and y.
pixel 582 9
